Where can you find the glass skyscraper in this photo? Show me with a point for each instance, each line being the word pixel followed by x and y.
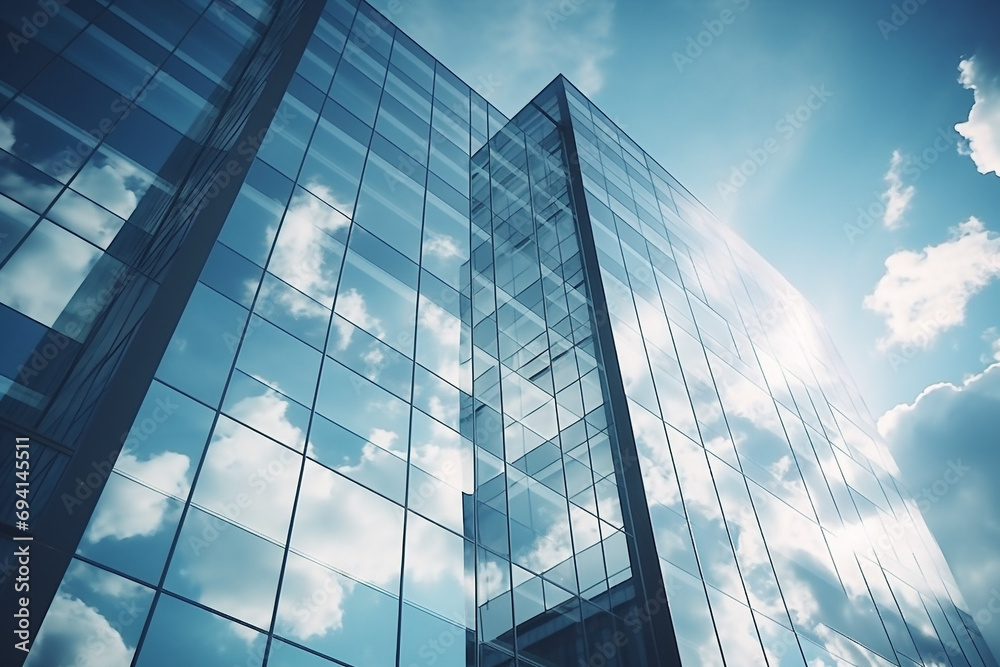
pixel 316 358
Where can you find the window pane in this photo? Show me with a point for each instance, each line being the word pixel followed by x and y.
pixel 332 168
pixel 225 568
pixel 279 360
pixel 79 214
pixel 232 274
pixel 45 272
pixel 335 615
pixel 348 528
pixel 307 253
pixel 248 479
pixel 293 311
pixel 115 181
pixel 15 221
pixel 373 300
pixel 132 528
pixel 95 619
pixel 166 441
pixel 370 357
pixel 209 640
pixel 201 352
pixel 435 569
pixel 374 464
pixel 391 204
pixel 363 407
pixel 262 408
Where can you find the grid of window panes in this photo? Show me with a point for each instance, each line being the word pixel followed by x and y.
pixel 102 113
pixel 111 117
pixel 783 535
pixel 553 564
pixel 294 483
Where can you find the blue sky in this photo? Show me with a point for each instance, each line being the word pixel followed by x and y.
pixel 824 134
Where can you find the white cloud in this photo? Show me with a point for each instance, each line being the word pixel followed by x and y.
pixel 897 197
pixel 75 633
pixel 442 246
pixel 992 338
pixel 351 306
pixel 268 412
pixel 982 130
pixel 439 335
pixel 240 461
pixel 344 526
pixel 302 254
pixel 45 273
pixel 130 510
pixel 30 193
pixel 166 472
pixel 922 294
pixel 945 444
pixel 111 585
pixel 312 599
pixel 441 452
pixel 7 138
pixel 116 182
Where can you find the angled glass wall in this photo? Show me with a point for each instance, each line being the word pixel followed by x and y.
pixel 117 120
pixel 557 577
pixel 784 535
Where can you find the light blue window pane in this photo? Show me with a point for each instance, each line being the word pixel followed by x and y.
pixel 266 410
pixel 363 407
pixel 85 218
pixel 346 527
pixel 336 615
pixel 209 640
pixel 435 569
pixel 132 527
pixel 279 360
pixel 226 568
pixel 42 276
pixel 201 352
pixel 249 480
pixel 95 618
pixel 308 251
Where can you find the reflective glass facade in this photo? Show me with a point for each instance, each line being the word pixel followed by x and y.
pixel 324 361
pixel 783 532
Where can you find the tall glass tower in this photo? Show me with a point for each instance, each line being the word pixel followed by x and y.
pixel 315 358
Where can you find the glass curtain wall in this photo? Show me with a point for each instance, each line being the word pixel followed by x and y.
pixel 784 533
pixel 294 483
